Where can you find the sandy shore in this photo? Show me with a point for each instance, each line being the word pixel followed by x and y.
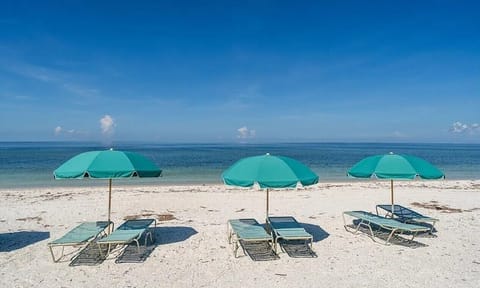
pixel 191 250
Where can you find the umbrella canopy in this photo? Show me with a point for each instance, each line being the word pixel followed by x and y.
pixel 269 172
pixel 107 164
pixel 394 166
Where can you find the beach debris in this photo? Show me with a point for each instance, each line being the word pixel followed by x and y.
pixel 434 205
pixel 38 218
pixel 160 217
pixel 471 210
pixel 165 217
pixel 240 210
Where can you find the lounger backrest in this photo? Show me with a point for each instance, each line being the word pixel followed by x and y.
pixel 248 229
pixel 82 233
pixel 287 227
pixel 136 224
pixel 401 211
pixel 284 222
pixel 129 230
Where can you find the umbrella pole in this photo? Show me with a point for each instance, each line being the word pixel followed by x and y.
pixel 109 202
pixel 391 193
pixel 267 205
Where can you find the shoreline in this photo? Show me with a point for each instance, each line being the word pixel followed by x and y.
pixel 95 183
pixel 100 183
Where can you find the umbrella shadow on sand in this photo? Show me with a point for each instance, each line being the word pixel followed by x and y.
pixel 317 232
pixel 173 234
pixel 18 240
pixel 130 253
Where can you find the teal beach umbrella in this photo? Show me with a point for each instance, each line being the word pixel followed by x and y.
pixel 269 171
pixel 394 166
pixel 107 164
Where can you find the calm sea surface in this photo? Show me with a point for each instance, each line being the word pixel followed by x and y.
pixel 31 164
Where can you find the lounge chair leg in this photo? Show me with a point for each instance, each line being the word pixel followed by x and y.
pixel 371 231
pixel 53 255
pixel 100 250
pixel 413 236
pixel 235 248
pixel 229 234
pixel 431 230
pixel 358 227
pixel 390 236
pixel 138 245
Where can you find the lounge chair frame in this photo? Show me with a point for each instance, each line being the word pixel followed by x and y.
pixel 130 227
pixel 291 230
pixel 406 215
pixel 234 233
pixel 101 231
pixel 366 219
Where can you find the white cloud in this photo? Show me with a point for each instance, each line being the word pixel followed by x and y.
pixel 245 133
pixel 58 130
pixel 61 131
pixel 459 127
pixel 107 124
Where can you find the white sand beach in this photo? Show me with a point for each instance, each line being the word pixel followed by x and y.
pixel 191 250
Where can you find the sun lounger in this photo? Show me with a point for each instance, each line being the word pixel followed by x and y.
pixel 375 222
pixel 246 230
pixel 130 231
pixel 406 215
pixel 79 236
pixel 287 228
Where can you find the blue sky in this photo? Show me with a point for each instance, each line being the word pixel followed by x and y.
pixel 240 71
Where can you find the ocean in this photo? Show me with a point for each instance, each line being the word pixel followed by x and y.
pixel 31 164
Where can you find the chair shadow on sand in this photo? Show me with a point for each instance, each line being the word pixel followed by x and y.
pixel 90 255
pixel 18 240
pixel 396 239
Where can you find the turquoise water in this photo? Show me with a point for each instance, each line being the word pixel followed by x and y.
pixel 30 164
